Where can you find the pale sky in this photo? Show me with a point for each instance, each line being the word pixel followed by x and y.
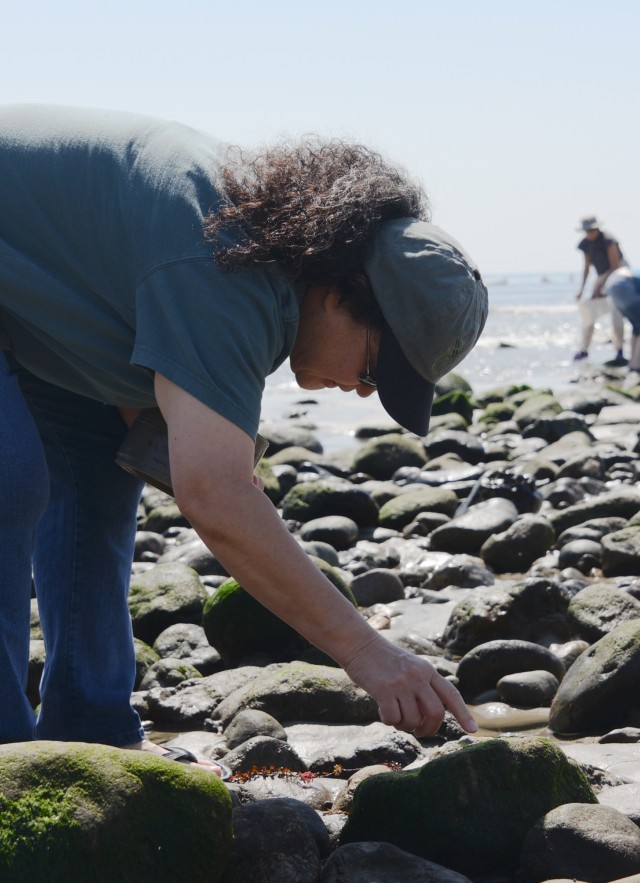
pixel 517 117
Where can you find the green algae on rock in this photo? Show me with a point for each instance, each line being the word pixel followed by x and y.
pixel 72 811
pixel 239 627
pixel 539 404
pixel 600 608
pixel 471 807
pixel 271 484
pixel 145 658
pixel 164 516
pixel 403 509
pixel 382 456
pixel 600 690
pixel 330 496
pixel 497 412
pixel 163 596
pixel 300 691
pixel 455 401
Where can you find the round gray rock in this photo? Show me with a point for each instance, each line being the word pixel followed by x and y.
pixel 528 689
pixel 377 586
pixel 483 667
pixel 336 530
pixel 600 690
pixel 252 722
pixel 515 549
pixel 468 532
pixel 582 841
pixel 598 609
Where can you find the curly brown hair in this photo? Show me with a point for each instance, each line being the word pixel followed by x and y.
pixel 310 206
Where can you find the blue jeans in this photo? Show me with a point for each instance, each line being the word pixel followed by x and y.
pixel 622 287
pixel 67 522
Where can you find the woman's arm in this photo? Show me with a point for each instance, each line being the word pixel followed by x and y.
pixel 211 470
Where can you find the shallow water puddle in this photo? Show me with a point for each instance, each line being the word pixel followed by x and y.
pixel 497 717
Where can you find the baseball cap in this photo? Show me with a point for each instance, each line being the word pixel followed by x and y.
pixel 434 305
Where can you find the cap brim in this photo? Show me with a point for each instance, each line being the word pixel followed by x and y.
pixel 404 394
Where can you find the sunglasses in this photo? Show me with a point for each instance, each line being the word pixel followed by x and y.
pixel 367 377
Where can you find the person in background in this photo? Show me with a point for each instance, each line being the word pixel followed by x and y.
pixel 602 252
pixel 145 265
pixel 623 288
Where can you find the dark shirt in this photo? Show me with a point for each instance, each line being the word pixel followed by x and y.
pixel 596 251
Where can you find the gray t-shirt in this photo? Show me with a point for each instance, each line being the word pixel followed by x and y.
pixel 105 276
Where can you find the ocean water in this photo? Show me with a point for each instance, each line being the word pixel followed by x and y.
pixel 531 335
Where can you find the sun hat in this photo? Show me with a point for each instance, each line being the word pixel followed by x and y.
pixel 590 223
pixel 434 305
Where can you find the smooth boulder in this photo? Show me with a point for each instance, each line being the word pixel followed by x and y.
pixel 464 809
pixel 600 690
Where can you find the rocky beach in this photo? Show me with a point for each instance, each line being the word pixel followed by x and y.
pixel 504 547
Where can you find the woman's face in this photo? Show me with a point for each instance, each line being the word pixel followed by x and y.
pixel 330 349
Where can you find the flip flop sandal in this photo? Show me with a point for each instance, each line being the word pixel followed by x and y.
pixel 182 755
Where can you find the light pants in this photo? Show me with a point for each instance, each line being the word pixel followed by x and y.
pixel 69 512
pixel 593 309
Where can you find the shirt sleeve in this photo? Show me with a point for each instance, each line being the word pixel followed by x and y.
pixel 216 335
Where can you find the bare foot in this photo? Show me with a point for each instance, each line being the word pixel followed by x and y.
pixel 151 747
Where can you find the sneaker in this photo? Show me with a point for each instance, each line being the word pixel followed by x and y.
pixel 582 354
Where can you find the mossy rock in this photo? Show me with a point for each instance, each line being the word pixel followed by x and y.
pixel 470 808
pixel 454 401
pixel 295 456
pixel 381 457
pixel 75 812
pixel 271 484
pixel 541 404
pixel 600 608
pixel 451 420
pixel 300 691
pixel 600 691
pixel 403 509
pixel 452 382
pixel 316 499
pixel 169 672
pixel 163 596
pixel 525 393
pixel 239 627
pixel 501 394
pixel 163 517
pixel 146 656
pixel 497 412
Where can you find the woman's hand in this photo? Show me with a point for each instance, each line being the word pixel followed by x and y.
pixel 410 693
